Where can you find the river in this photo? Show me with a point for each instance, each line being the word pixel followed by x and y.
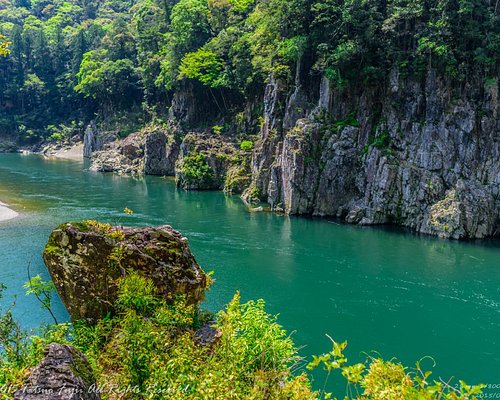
pixel 401 294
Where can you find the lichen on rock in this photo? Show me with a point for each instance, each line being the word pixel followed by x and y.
pixel 467 211
pixel 86 259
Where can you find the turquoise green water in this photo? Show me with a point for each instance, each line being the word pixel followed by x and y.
pixel 386 290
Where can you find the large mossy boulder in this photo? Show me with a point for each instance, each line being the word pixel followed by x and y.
pixel 86 259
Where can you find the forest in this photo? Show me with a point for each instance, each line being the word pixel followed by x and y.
pixel 366 112
pixel 120 61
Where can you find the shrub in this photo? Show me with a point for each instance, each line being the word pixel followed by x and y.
pixel 156 354
pixel 246 145
pixel 196 171
pixel 136 293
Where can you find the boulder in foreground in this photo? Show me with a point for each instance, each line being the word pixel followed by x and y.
pixel 86 259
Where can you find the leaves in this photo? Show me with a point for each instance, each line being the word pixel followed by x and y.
pixel 203 65
pixel 43 291
pixel 378 379
pixel 195 170
pixel 4 46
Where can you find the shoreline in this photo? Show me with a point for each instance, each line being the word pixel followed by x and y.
pixel 6 213
pixel 73 153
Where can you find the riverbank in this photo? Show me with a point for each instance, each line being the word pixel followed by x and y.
pixel 69 153
pixel 6 213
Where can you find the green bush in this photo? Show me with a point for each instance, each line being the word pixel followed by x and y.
pixel 136 293
pixel 196 171
pixel 246 145
pixel 252 358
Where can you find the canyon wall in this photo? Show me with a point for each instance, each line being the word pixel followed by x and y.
pixel 421 153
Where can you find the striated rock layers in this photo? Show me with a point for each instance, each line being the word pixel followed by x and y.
pixel 86 259
pixel 418 154
pixel 63 374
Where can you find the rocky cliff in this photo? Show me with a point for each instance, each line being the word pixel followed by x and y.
pixel 198 160
pixel 420 154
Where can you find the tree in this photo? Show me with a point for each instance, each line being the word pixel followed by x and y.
pixel 72 58
pixel 4 46
pixel 189 30
pixel 203 65
pixel 113 83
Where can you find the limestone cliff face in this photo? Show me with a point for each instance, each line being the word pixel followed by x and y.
pixel 418 154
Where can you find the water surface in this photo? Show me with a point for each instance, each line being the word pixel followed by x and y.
pixel 401 294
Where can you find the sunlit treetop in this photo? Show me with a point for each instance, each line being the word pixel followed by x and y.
pixel 4 46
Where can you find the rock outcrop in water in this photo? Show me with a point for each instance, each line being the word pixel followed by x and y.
pixel 161 151
pixel 199 161
pixel 204 162
pixel 94 139
pixel 63 374
pixel 85 260
pixel 125 156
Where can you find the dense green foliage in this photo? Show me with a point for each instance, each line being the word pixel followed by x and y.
pixel 195 171
pixel 246 145
pixel 71 59
pixel 150 350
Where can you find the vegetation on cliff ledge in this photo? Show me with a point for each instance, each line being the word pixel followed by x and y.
pixel 4 46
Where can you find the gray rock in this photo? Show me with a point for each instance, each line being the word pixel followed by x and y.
pixel 124 157
pixel 63 374
pixel 160 154
pixel 207 335
pixel 467 211
pixel 270 140
pixel 95 140
pixel 427 163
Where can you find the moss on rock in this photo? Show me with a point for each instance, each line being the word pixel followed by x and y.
pixel 85 261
